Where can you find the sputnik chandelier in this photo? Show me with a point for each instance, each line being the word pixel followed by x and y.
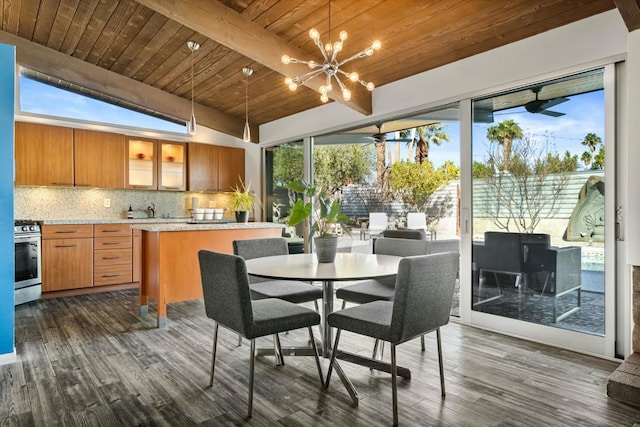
pixel 330 66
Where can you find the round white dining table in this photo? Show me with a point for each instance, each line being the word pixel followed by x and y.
pixel 305 267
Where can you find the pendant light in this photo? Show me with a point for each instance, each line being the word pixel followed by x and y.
pixel 246 135
pixel 191 124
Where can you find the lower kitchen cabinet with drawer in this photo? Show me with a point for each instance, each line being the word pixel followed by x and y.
pixel 112 255
pixel 67 257
pixel 79 257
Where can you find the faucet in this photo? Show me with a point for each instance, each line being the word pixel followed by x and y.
pixel 151 210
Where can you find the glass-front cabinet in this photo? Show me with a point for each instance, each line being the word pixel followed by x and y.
pixel 171 166
pixel 141 163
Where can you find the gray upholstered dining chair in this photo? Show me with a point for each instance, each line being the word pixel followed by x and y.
pixel 382 289
pixel 227 301
pixel 293 291
pixel 421 304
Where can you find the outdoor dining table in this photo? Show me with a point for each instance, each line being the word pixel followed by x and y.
pixel 346 267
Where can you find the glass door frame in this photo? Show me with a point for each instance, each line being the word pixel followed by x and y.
pixel 590 344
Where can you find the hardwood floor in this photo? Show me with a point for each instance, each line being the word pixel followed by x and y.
pixel 89 360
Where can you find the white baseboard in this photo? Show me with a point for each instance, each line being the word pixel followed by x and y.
pixel 7 358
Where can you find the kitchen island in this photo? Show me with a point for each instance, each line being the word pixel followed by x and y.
pixel 170 268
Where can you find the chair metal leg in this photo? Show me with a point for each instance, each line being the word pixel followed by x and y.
pixel 315 354
pixel 251 372
pixel 375 349
pixel 213 353
pixel 315 303
pixel 394 384
pixel 344 303
pixel 422 343
pixel 277 350
pixel 239 340
pixel 333 358
pixel 442 389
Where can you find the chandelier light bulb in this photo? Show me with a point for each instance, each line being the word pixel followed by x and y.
pixel 328 47
pixel 354 77
pixel 322 89
pixel 286 59
pixel 337 46
pixel 324 98
pixel 329 88
pixel 376 45
pixel 370 86
pixel 368 51
pixel 314 34
pixel 312 64
pixel 293 86
pixel 343 35
pixel 346 94
pixel 287 81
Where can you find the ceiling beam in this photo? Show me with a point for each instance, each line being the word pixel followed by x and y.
pixel 227 27
pixel 58 65
pixel 630 12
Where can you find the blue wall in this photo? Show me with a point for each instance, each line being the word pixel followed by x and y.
pixel 7 247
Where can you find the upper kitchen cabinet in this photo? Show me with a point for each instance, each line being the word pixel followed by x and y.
pixel 43 154
pixel 172 171
pixel 203 167
pixel 141 166
pixel 230 168
pixel 99 159
pixel 215 168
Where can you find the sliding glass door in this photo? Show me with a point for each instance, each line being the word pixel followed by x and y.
pixel 540 242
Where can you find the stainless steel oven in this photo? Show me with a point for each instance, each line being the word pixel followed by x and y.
pixel 28 265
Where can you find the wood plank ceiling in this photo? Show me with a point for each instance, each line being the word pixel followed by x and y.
pixel 137 41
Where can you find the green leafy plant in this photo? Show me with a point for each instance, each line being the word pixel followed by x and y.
pixel 323 212
pixel 243 199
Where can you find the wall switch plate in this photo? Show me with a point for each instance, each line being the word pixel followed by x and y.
pixel 107 203
pixel 211 204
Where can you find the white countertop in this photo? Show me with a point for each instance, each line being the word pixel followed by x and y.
pixel 114 221
pixel 193 227
pixel 165 224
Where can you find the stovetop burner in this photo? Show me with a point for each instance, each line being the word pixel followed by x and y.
pixel 26 226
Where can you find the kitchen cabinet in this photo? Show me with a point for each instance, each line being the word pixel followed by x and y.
pixel 230 168
pixel 141 165
pixel 214 168
pixel 98 159
pixel 67 257
pixel 112 254
pixel 203 167
pixel 43 155
pixel 172 171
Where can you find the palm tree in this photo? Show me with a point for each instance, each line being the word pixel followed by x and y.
pixel 586 158
pixel 504 133
pixel 591 140
pixel 426 135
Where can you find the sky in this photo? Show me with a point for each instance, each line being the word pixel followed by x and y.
pixel 40 98
pixel 583 114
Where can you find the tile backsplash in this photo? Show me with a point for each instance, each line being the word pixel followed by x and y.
pixel 56 203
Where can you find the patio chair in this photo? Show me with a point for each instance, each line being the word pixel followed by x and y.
pixel 421 304
pixel 227 301
pixel 417 221
pixel 377 223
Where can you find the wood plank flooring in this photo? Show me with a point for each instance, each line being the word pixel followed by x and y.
pixel 90 360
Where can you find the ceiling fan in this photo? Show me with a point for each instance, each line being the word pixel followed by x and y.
pixel 542 106
pixel 382 136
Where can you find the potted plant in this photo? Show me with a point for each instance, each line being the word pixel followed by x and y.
pixel 324 215
pixel 242 201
